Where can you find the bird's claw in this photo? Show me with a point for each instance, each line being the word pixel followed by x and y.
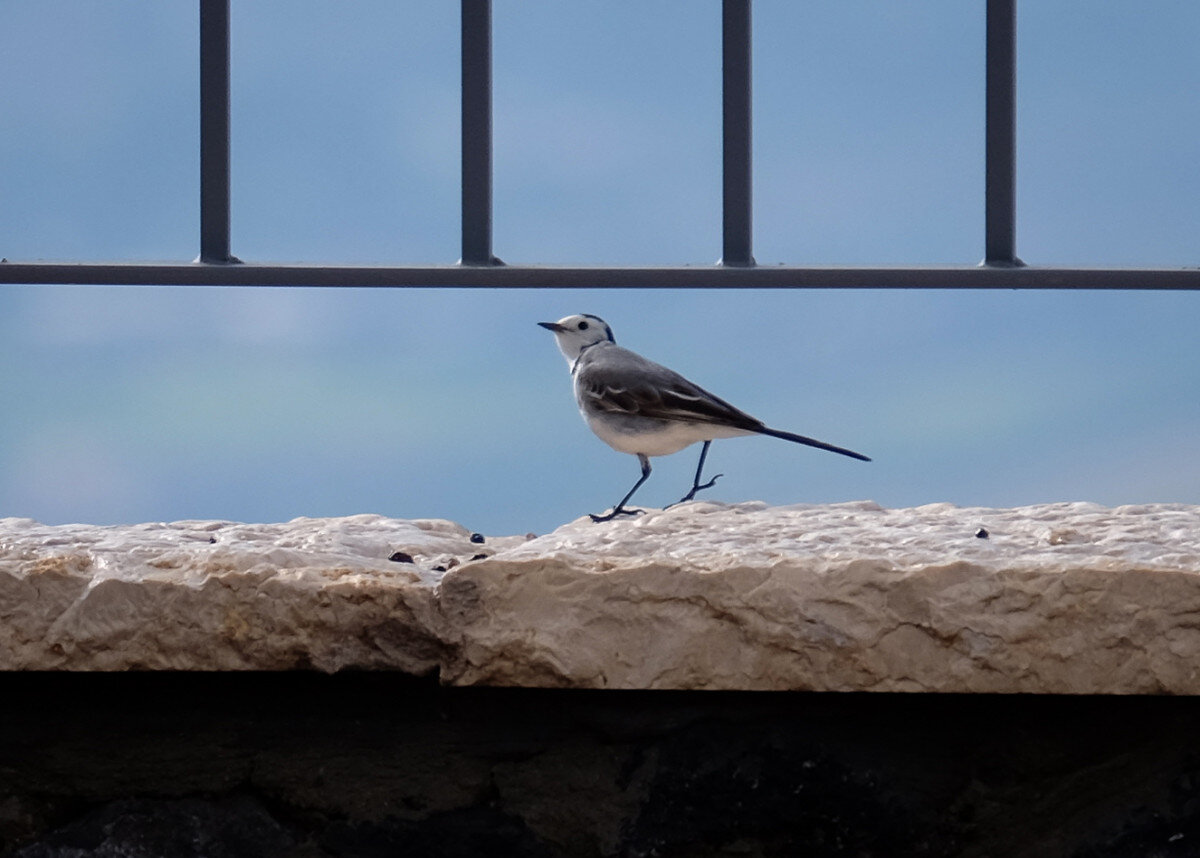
pixel 618 511
pixel 707 485
pixel 692 494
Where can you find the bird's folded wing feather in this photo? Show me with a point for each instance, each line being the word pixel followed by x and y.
pixel 653 391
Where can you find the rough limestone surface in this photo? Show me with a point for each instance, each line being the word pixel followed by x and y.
pixel 216 595
pixel 1056 598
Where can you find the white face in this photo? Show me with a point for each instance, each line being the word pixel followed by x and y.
pixel 575 333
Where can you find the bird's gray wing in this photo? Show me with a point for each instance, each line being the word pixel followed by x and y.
pixel 617 381
pixel 623 382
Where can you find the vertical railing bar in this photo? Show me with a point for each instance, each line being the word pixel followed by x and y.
pixel 1000 197
pixel 736 133
pixel 214 131
pixel 477 133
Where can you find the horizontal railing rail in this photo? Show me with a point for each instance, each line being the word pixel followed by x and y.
pixel 478 267
pixel 667 277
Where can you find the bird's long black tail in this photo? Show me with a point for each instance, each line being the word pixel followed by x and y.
pixel 812 442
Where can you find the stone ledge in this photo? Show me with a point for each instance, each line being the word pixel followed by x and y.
pixel 1058 598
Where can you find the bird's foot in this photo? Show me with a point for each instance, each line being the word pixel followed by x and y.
pixel 692 494
pixel 618 511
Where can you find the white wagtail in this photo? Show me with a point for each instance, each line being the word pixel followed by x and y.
pixel 640 407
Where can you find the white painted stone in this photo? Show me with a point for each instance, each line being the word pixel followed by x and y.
pixel 1060 598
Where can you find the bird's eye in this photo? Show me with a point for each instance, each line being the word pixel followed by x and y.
pixel 583 326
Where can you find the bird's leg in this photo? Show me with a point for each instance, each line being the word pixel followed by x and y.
pixel 696 487
pixel 619 509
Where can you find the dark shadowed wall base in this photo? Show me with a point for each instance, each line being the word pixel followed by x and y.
pixel 366 765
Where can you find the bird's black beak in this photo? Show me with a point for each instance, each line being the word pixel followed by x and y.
pixel 552 326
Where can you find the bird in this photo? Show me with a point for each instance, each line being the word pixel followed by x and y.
pixel 639 407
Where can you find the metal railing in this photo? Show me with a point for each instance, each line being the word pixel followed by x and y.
pixel 478 266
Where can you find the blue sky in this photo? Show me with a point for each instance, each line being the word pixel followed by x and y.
pixel 132 404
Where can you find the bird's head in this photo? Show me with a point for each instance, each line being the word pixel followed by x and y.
pixel 576 333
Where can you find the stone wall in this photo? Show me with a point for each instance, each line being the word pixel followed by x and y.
pixel 709 680
pixel 1062 598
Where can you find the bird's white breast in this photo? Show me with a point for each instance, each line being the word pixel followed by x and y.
pixel 651 436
